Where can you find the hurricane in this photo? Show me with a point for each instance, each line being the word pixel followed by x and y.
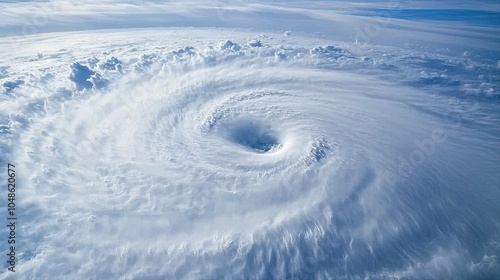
pixel 156 140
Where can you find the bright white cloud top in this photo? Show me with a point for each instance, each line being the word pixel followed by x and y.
pixel 252 140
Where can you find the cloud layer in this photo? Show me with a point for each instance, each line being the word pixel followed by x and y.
pixel 213 153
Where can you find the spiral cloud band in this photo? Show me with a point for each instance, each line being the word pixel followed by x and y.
pixel 266 156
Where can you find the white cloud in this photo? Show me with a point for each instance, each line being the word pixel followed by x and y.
pixel 202 152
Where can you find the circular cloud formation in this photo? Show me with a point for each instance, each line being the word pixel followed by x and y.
pixel 256 160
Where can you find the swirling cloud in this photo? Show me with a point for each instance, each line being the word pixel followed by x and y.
pixel 176 153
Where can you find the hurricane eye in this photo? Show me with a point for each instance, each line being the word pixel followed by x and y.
pixel 252 135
